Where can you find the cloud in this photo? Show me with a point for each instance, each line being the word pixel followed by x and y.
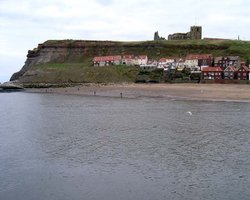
pixel 105 2
pixel 25 23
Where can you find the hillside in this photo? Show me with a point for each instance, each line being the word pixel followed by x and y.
pixel 70 61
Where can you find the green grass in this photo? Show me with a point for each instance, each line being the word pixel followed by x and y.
pixel 48 66
pixel 80 73
pixel 157 49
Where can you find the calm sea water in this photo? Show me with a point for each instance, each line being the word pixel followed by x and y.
pixel 94 148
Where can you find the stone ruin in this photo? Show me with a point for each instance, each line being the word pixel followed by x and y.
pixel 195 33
pixel 157 37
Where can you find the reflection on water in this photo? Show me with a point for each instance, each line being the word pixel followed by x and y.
pixel 71 147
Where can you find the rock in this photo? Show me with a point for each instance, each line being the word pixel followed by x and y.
pixel 10 85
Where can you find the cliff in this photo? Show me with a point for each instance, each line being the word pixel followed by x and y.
pixel 70 61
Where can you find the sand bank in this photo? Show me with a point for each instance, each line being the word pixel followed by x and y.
pixel 221 92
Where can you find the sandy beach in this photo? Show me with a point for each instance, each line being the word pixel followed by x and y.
pixel 219 92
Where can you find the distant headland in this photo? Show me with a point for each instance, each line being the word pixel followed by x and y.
pixel 60 62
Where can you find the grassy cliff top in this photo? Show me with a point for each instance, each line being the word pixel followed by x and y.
pixel 165 48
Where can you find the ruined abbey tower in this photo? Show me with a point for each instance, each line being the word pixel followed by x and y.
pixel 194 34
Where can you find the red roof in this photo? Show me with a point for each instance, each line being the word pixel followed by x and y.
pixel 245 68
pixel 127 56
pixel 142 57
pixel 231 69
pixel 118 57
pixel 98 59
pixel 165 59
pixel 212 69
pixel 106 58
pixel 198 56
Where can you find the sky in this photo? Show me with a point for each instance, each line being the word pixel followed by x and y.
pixel 26 23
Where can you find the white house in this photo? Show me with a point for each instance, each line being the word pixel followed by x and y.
pixel 201 60
pixel 191 61
pixel 163 62
pixel 128 60
pixel 140 60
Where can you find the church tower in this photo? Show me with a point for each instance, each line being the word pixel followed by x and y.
pixel 195 32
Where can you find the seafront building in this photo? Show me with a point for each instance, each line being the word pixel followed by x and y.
pixel 225 61
pixel 230 73
pixel 212 73
pixel 201 60
pixel 209 67
pixel 129 60
pixel 101 61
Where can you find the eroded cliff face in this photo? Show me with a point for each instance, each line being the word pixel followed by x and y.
pixel 63 51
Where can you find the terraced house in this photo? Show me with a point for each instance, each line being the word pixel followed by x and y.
pixel 205 66
pixel 230 72
pixel 243 73
pixel 225 61
pixel 102 61
pixel 212 73
pixel 129 60
pixel 200 60
pixel 163 62
pixel 140 60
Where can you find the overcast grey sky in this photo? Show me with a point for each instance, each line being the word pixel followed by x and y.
pixel 25 23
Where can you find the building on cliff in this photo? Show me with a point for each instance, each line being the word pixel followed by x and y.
pixel 129 60
pixel 140 60
pixel 194 34
pixel 157 37
pixel 225 61
pixel 201 60
pixel 101 61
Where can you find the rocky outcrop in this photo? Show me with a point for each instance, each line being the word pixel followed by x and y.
pixel 10 86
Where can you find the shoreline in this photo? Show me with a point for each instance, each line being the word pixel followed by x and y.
pixel 202 92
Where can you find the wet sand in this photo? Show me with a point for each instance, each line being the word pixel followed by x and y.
pixel 219 92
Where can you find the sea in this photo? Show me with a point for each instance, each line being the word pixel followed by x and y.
pixel 68 147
